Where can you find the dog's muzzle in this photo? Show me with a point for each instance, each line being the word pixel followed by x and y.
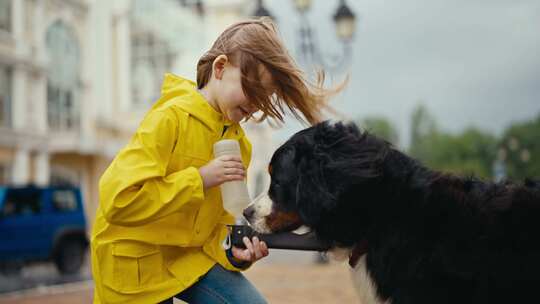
pixel 257 212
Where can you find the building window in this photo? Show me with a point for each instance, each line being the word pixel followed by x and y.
pixel 5 96
pixel 63 112
pixel 64 176
pixel 5 15
pixel 151 54
pixel 64 200
pixel 22 202
pixel 151 58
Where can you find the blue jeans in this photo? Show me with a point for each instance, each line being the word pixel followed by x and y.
pixel 220 286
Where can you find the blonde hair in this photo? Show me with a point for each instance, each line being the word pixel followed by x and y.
pixel 250 44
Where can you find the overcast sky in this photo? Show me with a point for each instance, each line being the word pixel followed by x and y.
pixel 473 63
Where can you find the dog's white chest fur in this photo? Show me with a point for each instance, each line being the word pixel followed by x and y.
pixel 364 285
pixel 362 282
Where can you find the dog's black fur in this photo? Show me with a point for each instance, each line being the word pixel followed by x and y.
pixel 432 237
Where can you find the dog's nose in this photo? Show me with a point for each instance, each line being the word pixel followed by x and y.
pixel 249 212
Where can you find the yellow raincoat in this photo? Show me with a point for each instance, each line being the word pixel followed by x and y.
pixel 156 231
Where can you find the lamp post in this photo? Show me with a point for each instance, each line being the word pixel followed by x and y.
pixel 345 22
pixel 499 165
pixel 196 5
pixel 309 51
pixel 511 159
pixel 261 11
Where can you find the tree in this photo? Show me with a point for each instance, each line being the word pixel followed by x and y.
pixel 471 152
pixel 381 127
pixel 423 132
pixel 520 149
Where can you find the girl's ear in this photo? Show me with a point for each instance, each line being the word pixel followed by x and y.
pixel 218 66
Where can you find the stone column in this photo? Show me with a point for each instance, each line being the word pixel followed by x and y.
pixel 19 74
pixel 39 102
pixel 101 37
pixel 19 105
pixel 39 32
pixel 42 168
pixel 18 23
pixel 21 167
pixel 123 31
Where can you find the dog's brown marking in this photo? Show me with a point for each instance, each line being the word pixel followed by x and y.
pixel 283 221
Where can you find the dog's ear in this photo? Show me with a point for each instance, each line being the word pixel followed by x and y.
pixel 313 196
pixel 333 159
pixel 354 155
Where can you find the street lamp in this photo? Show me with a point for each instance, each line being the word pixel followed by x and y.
pixel 499 165
pixel 310 52
pixel 261 11
pixel 512 157
pixel 302 5
pixel 345 22
pixel 197 5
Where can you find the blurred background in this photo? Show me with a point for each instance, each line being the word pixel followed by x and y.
pixel 455 84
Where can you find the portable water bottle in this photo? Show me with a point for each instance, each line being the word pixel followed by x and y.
pixel 234 193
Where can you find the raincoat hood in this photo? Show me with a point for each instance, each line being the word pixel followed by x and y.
pixel 193 102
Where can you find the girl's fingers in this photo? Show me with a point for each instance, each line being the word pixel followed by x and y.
pixel 233 177
pixel 257 248
pixel 235 165
pixel 264 249
pixel 230 158
pixel 237 253
pixel 241 254
pixel 249 247
pixel 234 171
pixel 233 174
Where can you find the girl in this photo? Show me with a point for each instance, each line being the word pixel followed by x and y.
pixel 160 225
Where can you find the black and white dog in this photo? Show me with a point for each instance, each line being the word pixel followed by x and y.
pixel 415 235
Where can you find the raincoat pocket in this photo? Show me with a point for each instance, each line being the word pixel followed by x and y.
pixel 136 266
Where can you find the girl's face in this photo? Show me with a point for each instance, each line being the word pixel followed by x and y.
pixel 228 93
pixel 230 97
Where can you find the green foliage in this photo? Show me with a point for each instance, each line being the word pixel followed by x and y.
pixel 423 133
pixel 471 152
pixel 381 127
pixel 521 146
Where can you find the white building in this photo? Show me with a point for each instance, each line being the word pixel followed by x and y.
pixel 76 77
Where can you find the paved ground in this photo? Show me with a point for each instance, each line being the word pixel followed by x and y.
pixel 284 277
pixel 289 283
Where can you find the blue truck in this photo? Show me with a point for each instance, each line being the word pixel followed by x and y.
pixel 42 224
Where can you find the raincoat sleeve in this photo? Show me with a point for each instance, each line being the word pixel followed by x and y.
pixel 135 189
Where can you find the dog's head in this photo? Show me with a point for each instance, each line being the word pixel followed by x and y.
pixel 315 176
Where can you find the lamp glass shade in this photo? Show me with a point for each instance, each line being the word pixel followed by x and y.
pixel 345 28
pixel 302 5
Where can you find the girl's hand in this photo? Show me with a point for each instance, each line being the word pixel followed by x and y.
pixel 222 169
pixel 254 251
